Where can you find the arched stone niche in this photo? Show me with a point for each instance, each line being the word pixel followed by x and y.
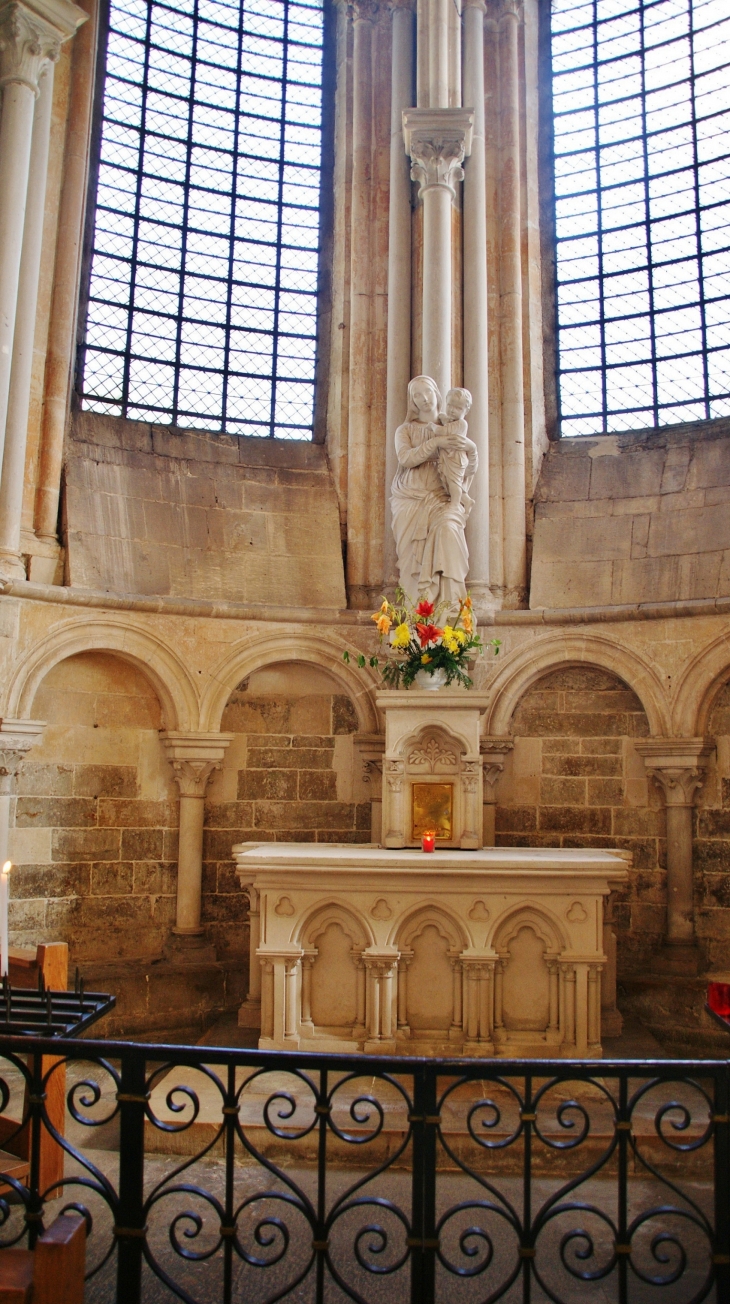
pixel 333 974
pixel 430 944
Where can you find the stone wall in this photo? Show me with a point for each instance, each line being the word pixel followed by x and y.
pixel 575 780
pixel 640 517
pixel 95 838
pixel 288 776
pixel 150 509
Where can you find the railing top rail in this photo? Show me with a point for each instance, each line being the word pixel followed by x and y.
pixel 193 1055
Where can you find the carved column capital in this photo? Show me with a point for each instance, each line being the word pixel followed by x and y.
pixel 16 739
pixel 474 4
pixel 494 752
pixel 31 37
pixel 364 11
pixel 194 757
pixel 507 9
pixel 677 766
pixel 437 141
pixel 409 5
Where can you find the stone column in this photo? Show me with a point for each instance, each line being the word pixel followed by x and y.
pixel 476 362
pixel 611 1017
pixel 249 1014
pixel 308 960
pixel 403 966
pixel 567 976
pixel 393 812
pixel 437 140
pixel 13 459
pixel 594 1009
pixel 513 408
pixel 194 757
pixel 456 1031
pixel 279 1004
pixel 60 351
pixel 399 262
pixel 677 766
pixel 381 966
pixel 553 1028
pixel 471 796
pixel 371 748
pixel 359 1030
pixel 16 739
pixel 494 752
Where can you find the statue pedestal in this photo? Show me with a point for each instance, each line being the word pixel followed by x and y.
pixel 432 762
pixel 493 952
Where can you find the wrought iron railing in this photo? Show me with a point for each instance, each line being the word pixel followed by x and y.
pixel 234 1175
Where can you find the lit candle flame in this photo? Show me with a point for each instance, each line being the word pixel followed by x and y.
pixel 7 866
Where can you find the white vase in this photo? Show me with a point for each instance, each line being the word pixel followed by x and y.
pixel 433 681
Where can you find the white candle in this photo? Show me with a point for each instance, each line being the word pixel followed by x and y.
pixel 4 900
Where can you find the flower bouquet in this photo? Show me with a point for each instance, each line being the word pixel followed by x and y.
pixel 417 643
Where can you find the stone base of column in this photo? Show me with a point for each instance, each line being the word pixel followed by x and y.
pixel 12 566
pixel 249 1015
pixel 677 959
pixel 190 948
pixel 376 1046
pixel 364 597
pixel 612 1023
pixel 482 597
pixel 44 558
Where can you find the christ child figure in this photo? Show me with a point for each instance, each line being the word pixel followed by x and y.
pixel 455 462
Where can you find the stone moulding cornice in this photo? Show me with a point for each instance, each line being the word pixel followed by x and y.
pixel 163 605
pixel 31 36
pixel 437 141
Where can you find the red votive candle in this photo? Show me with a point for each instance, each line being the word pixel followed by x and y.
pixel 718 998
pixel 428 841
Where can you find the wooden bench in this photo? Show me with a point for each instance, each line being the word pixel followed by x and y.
pixel 52 1273
pixel 25 965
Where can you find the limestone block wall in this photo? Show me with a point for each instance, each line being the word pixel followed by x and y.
pixel 288 776
pixel 95 837
pixel 640 517
pixel 575 780
pixel 149 509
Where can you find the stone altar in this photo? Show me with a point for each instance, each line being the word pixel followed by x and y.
pixel 497 951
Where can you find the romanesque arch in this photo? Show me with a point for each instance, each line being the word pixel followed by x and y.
pixel 308 648
pixel 160 666
pixel 535 660
pixel 697 687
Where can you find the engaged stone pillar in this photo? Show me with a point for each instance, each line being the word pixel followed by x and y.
pixel 194 757
pixel 371 748
pixel 29 39
pixel 381 965
pixel 16 739
pixel 510 300
pixel 677 766
pixel 249 1014
pixel 437 140
pixel 399 262
pixel 476 363
pixel 13 461
pixel 494 752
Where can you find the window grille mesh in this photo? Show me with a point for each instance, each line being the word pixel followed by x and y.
pixel 202 297
pixel 641 101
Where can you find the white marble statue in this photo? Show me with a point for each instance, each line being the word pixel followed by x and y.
pixel 429 499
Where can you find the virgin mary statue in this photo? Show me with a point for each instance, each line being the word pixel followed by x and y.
pixel 428 527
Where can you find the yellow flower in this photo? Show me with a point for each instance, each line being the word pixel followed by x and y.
pixel 383 623
pixel 384 607
pixel 461 635
pixel 401 636
pixel 449 638
pixel 425 659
